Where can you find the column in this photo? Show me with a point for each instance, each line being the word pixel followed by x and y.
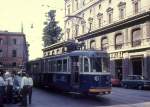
pixel 112 67
pixel 148 64
pixel 125 66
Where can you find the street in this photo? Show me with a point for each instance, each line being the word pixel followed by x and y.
pixel 119 98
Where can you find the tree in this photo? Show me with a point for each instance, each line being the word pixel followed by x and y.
pixel 51 31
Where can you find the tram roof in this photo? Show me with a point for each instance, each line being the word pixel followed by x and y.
pixel 89 53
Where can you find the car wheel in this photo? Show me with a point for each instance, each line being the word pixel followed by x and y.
pixel 140 87
pixel 125 86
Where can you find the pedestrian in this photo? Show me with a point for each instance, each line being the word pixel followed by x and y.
pixel 30 85
pixel 2 90
pixel 24 89
pixel 16 88
pixel 9 86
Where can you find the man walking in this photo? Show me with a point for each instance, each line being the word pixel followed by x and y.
pixel 30 85
pixel 9 86
pixel 24 89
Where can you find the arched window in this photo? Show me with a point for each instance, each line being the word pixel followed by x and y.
pixel 118 41
pixel 92 44
pixel 136 37
pixel 104 44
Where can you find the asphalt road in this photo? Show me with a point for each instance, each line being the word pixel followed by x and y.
pixel 118 98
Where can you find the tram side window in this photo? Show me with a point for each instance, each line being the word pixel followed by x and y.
pixel 75 64
pixel 53 66
pixel 59 65
pixel 86 65
pixel 46 68
pixel 50 66
pixel 65 65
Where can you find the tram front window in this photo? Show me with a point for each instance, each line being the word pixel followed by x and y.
pixel 105 65
pixel 96 65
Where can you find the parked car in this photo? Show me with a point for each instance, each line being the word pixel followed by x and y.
pixel 115 82
pixel 135 81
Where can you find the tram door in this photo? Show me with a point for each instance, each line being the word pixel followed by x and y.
pixel 75 66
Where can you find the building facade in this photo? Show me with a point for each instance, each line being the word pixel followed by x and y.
pixel 13 51
pixel 120 27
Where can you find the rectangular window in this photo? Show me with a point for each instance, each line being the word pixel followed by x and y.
pixel 14 64
pixel 53 65
pixel 105 65
pixel 90 26
pixel 136 7
pixel 96 65
pixel 50 66
pixel 83 29
pixel 86 65
pixel 65 65
pixel 100 22
pixel 77 5
pixel 1 41
pixel 136 38
pixel 110 18
pixel 14 53
pixel 121 15
pixel 68 9
pixel 14 41
pixel 59 66
pixel 1 53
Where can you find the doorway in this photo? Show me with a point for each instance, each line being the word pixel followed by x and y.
pixel 118 69
pixel 137 66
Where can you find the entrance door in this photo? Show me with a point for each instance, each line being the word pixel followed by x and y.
pixel 118 69
pixel 137 66
pixel 75 71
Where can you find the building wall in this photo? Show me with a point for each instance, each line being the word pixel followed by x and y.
pixel 92 11
pixel 13 41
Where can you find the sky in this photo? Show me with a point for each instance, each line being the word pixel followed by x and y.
pixel 14 13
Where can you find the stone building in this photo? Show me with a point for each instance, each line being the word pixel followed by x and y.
pixel 13 51
pixel 120 27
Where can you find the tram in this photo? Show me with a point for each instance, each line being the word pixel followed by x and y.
pixel 84 72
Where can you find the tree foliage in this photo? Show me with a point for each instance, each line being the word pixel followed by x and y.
pixel 51 31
